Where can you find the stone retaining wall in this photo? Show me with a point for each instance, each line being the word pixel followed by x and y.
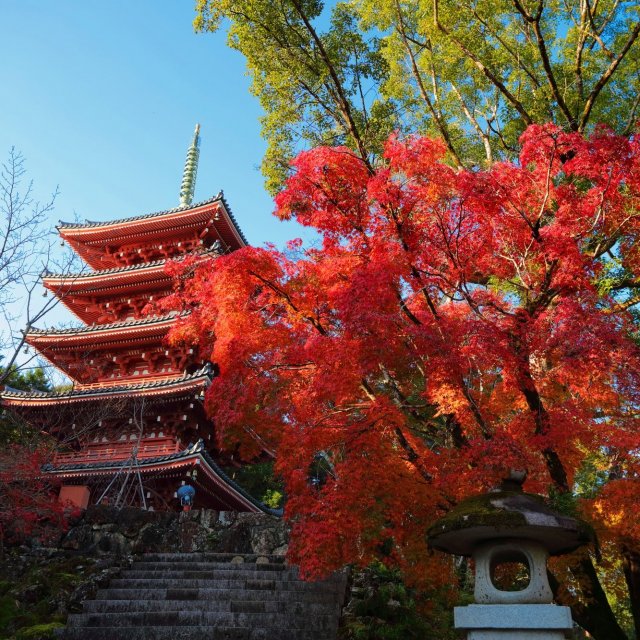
pixel 108 531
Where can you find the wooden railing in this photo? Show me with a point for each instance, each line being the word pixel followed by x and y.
pixel 118 451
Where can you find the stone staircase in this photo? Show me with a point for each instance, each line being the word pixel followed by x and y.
pixel 210 596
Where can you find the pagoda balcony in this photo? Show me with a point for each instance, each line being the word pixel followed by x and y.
pixel 118 451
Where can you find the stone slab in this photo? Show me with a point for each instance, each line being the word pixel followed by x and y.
pixel 516 635
pixel 519 617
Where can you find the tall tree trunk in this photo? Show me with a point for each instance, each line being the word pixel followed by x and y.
pixel 593 612
pixel 631 566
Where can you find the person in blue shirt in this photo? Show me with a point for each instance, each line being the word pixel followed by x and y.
pixel 186 494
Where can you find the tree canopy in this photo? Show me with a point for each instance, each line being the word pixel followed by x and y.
pixel 13 430
pixel 33 378
pixel 474 73
pixel 473 306
pixel 450 327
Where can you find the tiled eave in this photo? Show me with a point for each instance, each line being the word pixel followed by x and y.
pixel 115 278
pixel 161 387
pixel 232 218
pixel 115 331
pixel 194 455
pixel 124 228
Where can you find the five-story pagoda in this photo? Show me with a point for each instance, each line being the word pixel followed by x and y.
pixel 131 425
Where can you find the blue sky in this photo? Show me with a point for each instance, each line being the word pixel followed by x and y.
pixel 102 98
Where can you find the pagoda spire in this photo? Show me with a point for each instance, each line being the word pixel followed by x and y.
pixel 188 186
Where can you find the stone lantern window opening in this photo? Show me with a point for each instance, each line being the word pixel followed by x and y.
pixel 510 570
pixel 529 555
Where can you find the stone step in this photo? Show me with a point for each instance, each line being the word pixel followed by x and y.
pixel 208 557
pixel 140 565
pixel 208 574
pixel 212 596
pixel 176 593
pixel 223 583
pixel 235 606
pixel 192 633
pixel 322 622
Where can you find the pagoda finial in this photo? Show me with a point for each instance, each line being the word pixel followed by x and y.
pixel 188 186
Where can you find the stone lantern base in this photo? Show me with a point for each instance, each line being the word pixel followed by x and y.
pixel 514 621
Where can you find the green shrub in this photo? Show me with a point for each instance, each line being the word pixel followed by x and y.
pixel 8 611
pixel 259 481
pixel 389 610
pixel 273 498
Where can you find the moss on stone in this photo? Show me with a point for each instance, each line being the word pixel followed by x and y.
pixel 39 631
pixel 8 611
pixel 479 511
pixel 34 597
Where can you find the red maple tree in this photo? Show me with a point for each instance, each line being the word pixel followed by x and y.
pixel 450 326
pixel 29 507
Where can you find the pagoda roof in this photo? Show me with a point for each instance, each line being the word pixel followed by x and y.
pixel 195 454
pixel 155 387
pixel 115 277
pixel 87 342
pixel 158 224
pixel 81 292
pixel 113 331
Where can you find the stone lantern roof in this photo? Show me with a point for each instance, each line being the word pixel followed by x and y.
pixel 507 513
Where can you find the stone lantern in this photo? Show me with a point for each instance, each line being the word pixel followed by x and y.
pixel 504 527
